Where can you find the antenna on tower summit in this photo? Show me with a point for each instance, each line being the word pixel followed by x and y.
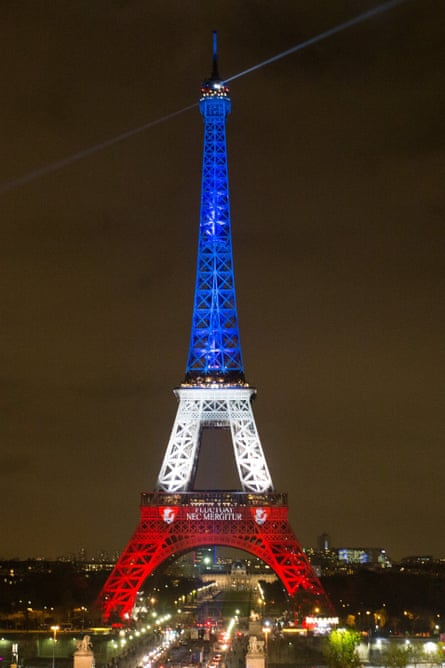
pixel 215 72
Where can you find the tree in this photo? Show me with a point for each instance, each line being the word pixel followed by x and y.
pixel 397 657
pixel 341 649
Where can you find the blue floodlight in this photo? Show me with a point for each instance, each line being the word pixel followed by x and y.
pixel 215 349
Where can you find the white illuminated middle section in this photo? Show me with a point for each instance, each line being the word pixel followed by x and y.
pixel 202 406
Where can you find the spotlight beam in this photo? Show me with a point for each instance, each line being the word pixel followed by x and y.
pixel 68 160
pixel 11 184
pixel 318 38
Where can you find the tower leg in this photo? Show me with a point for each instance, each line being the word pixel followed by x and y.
pixel 178 468
pixel 251 463
pixel 207 407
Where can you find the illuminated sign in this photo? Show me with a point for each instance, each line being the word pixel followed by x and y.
pixel 213 512
pixel 321 621
pixel 321 625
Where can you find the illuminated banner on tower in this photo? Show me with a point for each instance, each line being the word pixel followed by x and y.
pixel 214 513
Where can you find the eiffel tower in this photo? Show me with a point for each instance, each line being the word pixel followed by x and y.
pixel 176 518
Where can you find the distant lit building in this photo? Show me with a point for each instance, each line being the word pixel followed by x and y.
pixel 369 557
pixel 241 575
pixel 324 562
pixel 417 560
pixel 327 560
pixel 324 542
pixel 422 564
pixel 204 558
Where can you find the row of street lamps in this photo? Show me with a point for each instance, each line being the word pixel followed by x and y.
pixel 54 629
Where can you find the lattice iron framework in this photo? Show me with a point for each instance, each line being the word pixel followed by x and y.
pixel 214 393
pixel 217 407
pixel 215 348
pixel 176 518
pixel 172 524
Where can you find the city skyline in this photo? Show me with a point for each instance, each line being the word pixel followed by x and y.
pixel 230 555
pixel 335 157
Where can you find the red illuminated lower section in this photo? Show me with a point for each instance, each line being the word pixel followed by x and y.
pixel 171 524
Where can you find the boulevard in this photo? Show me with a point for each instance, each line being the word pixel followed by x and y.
pixel 190 636
pixel 208 628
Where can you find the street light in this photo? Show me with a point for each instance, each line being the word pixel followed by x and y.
pixel 266 631
pixel 54 629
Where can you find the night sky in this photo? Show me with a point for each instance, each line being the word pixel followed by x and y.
pixel 337 165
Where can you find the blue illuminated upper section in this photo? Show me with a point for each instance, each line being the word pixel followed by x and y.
pixel 215 350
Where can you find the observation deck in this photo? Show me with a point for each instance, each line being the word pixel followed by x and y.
pixel 213 497
pixel 214 88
